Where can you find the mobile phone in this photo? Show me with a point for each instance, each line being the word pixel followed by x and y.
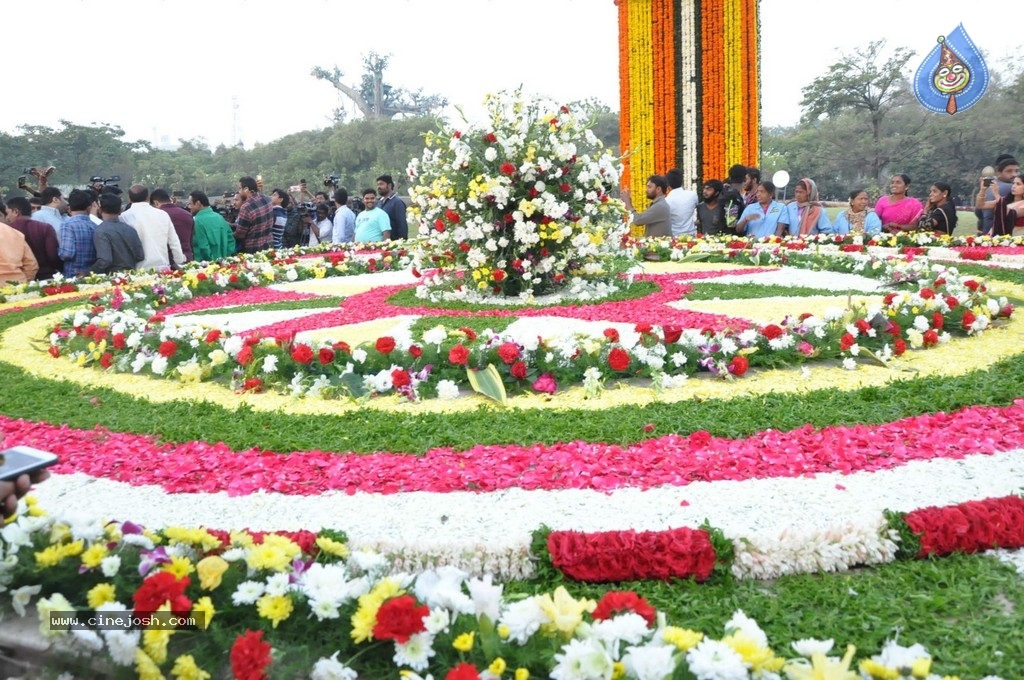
pixel 23 460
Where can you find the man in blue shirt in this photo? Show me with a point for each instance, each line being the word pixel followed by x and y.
pixel 372 224
pixel 343 226
pixel 52 206
pixel 77 247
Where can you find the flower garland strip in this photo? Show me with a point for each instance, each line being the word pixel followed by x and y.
pixel 642 112
pixel 616 556
pixel 201 467
pixel 969 527
pixel 686 39
pixel 625 103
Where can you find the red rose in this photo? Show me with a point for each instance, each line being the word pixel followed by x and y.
pixel 107 360
pixel 972 285
pixel 386 344
pixel 518 370
pixel 672 334
pixel 739 365
pixel 100 334
pixel 968 319
pixel 937 321
pixel 415 351
pixel 302 354
pixel 326 355
pixel 464 671
pixel 507 169
pixel 899 346
pixel 250 656
pixel 252 385
pixel 952 302
pixel 643 328
pixel 617 602
pixel 119 341
pixel 400 378
pixel 564 187
pixel 400 618
pixel 342 347
pixel 498 275
pixel 452 216
pixel 931 338
pixel 612 334
pixel 847 341
pixel 458 355
pixel 927 293
pixel 168 348
pixel 54 351
pixel 490 138
pixel 618 359
pixel 771 331
pixel 159 588
pixel 245 356
pixel 508 352
pixel 213 335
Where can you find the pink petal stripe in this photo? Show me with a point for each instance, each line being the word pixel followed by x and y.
pixel 249 296
pixel 373 305
pixel 197 467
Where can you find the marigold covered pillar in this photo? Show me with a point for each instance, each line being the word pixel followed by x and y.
pixel 689 88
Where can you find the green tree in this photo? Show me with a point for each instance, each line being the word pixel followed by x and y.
pixel 861 82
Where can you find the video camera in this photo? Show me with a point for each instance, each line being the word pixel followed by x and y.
pixel 306 208
pixel 104 181
pixel 333 181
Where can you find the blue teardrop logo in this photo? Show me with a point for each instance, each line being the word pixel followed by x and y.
pixel 953 76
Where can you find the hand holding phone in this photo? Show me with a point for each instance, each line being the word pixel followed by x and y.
pixel 23 460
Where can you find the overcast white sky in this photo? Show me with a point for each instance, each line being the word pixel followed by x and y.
pixel 177 68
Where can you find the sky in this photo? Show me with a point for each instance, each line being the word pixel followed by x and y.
pixel 239 70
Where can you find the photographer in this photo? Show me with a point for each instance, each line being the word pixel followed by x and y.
pixel 996 184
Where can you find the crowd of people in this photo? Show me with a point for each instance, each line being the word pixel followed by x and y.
pixel 745 205
pixel 91 231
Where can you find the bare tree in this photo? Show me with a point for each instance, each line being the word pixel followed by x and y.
pixel 376 99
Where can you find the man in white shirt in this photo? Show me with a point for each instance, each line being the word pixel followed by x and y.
pixel 344 227
pixel 682 205
pixel 155 229
pixel 53 206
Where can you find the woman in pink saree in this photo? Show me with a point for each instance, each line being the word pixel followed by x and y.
pixel 898 211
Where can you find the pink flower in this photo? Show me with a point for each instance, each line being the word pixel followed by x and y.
pixel 545 383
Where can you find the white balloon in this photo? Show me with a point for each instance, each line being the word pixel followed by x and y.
pixel 780 178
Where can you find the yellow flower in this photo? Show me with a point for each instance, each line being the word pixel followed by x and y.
pixel 759 658
pixel 266 556
pixel 497 666
pixel 179 566
pixel 276 608
pixel 878 671
pixel 100 594
pixel 146 668
pixel 203 610
pixel 504 631
pixel 59 533
pixel 211 569
pixel 74 549
pixel 823 668
pixel 363 621
pixel 618 670
pixel 49 556
pixel 464 642
pixel 241 539
pixel 564 612
pixel 522 674
pixel 684 639
pixel 921 667
pixel 332 547
pixel 154 642
pixel 185 668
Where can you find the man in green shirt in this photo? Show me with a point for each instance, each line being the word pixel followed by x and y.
pixel 212 238
pixel 373 224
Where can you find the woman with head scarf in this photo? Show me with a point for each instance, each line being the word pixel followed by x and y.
pixel 805 215
pixel 857 219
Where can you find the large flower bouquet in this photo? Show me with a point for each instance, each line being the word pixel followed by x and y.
pixel 518 207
